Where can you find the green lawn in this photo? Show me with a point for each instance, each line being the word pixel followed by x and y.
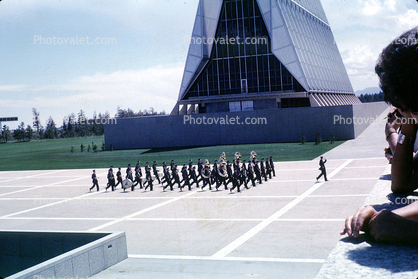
pixel 55 154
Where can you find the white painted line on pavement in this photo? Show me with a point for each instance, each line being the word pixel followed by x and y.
pixel 30 176
pixel 206 258
pixel 233 220
pixel 141 212
pixel 242 239
pixel 337 196
pixel 49 204
pixel 338 179
pixel 61 218
pixel 42 186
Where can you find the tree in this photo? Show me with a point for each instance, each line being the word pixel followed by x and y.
pixel 71 126
pixel 318 139
pixel 303 139
pixel 36 120
pixel 19 133
pixel 331 138
pixel 29 132
pixel 94 147
pixel 6 134
pixel 51 131
pixel 94 126
pixel 83 129
pixel 377 97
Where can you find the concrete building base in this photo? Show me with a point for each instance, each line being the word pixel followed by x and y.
pixel 101 251
pixel 245 127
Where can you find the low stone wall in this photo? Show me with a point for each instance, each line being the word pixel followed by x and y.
pixel 257 126
pixel 33 255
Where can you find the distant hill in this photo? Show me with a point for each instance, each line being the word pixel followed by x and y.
pixel 368 90
pixel 370 94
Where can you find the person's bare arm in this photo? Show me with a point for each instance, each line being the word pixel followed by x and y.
pixel 410 211
pixel 402 163
pixel 386 226
pixel 391 127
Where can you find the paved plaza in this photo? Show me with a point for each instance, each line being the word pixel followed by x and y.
pixel 285 228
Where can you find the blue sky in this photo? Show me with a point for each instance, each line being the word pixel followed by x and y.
pixel 144 43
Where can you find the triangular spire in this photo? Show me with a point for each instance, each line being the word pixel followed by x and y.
pixel 299 54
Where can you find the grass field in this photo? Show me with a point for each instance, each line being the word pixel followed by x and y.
pixel 55 154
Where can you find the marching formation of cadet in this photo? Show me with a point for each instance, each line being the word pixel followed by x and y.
pixel 224 173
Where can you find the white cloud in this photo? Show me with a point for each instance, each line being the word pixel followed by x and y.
pixel 363 28
pixel 360 57
pixel 156 87
pixel 408 20
pixel 371 7
pixel 12 87
pixel 360 61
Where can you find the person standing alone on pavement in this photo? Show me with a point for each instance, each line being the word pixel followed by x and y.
pixel 322 169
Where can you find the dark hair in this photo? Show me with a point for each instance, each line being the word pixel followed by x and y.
pixel 397 68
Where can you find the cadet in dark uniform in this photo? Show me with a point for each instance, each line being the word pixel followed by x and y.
pixel 155 170
pixel 185 176
pixel 172 165
pixel 250 174
pixel 95 181
pixel 268 168
pixel 215 174
pixel 129 173
pixel 138 177
pixel 213 177
pixel 272 166
pixel 263 169
pixel 110 180
pixel 206 176
pixel 322 169
pixel 236 165
pixel 223 176
pixel 235 181
pixel 243 177
pixel 167 178
pixel 229 172
pixel 244 164
pixel 199 168
pixel 110 170
pixel 118 177
pixel 148 177
pixel 194 176
pixel 175 174
pixel 190 168
pixel 257 172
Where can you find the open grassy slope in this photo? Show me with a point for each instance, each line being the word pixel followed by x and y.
pixel 55 154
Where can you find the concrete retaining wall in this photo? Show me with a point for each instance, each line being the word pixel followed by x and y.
pixel 35 255
pixel 276 125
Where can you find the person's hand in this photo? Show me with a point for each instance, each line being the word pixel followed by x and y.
pixel 394 116
pixel 359 221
